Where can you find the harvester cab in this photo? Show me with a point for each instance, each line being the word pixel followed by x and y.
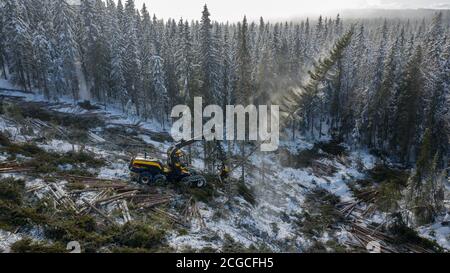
pixel 177 169
pixel 148 170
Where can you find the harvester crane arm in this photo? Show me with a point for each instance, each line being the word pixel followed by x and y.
pixel 172 153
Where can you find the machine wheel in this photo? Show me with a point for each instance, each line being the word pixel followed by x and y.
pixel 159 179
pixel 134 177
pixel 186 180
pixel 145 178
pixel 194 181
pixel 201 183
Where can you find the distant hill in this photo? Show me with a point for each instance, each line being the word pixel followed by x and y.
pixel 392 13
pixel 73 2
pixel 375 13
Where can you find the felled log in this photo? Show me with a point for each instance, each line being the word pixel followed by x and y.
pixel 62 198
pixel 169 216
pixel 125 211
pixel 115 197
pixel 153 202
pixel 98 211
pixel 15 169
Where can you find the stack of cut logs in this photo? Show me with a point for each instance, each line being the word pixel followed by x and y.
pixel 365 234
pixel 108 194
pixel 13 167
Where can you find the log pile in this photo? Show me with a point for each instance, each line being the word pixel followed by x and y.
pixel 347 208
pixel 365 234
pixel 151 200
pixel 13 167
pixel 171 217
pixel 140 130
pixel 102 197
pixel 322 169
pixel 61 198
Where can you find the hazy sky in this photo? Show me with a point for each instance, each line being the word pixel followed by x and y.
pixel 222 10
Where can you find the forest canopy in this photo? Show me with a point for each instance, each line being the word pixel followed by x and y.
pixel 374 83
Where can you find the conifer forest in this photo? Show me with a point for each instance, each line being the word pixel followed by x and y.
pixel 86 86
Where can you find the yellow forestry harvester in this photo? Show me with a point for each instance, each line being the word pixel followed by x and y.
pixel 151 170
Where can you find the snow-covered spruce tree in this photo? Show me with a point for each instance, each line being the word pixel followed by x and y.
pixel 376 77
pixel 218 39
pixel 3 64
pixel 47 65
pixel 258 44
pixel 357 79
pixel 120 15
pixel 102 54
pixel 229 68
pixel 94 49
pixel 18 43
pixel 425 191
pixel 67 47
pixel 244 84
pixel 265 73
pixel 437 94
pixel 168 54
pixel 184 62
pixel 318 36
pixel 244 79
pixel 157 33
pixel 282 54
pixel 145 54
pixel 130 57
pixel 208 60
pixel 379 111
pixel 407 116
pixel 160 96
pixel 296 53
pixel 43 61
pixel 89 33
pixel 304 103
pixel 114 34
pixel 307 44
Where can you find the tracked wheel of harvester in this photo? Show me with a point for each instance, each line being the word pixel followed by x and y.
pixel 145 178
pixel 198 181
pixel 159 179
pixel 148 179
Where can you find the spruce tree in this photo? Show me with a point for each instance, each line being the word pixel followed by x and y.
pixel 160 103
pixel 185 62
pixel 145 55
pixel 18 43
pixel 436 101
pixel 303 104
pixel 67 46
pixel 3 64
pixel 244 84
pixel 130 56
pixel 208 55
pixel 114 33
pixel 408 108
pixel 425 192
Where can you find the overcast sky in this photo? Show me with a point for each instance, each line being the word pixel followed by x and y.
pixel 223 10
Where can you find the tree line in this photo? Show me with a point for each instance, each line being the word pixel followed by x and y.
pixel 381 84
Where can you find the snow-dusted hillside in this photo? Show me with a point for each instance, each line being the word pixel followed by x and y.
pixel 282 207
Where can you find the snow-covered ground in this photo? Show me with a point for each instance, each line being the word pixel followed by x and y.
pixel 7 239
pixel 279 191
pixel 438 232
pixel 279 194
